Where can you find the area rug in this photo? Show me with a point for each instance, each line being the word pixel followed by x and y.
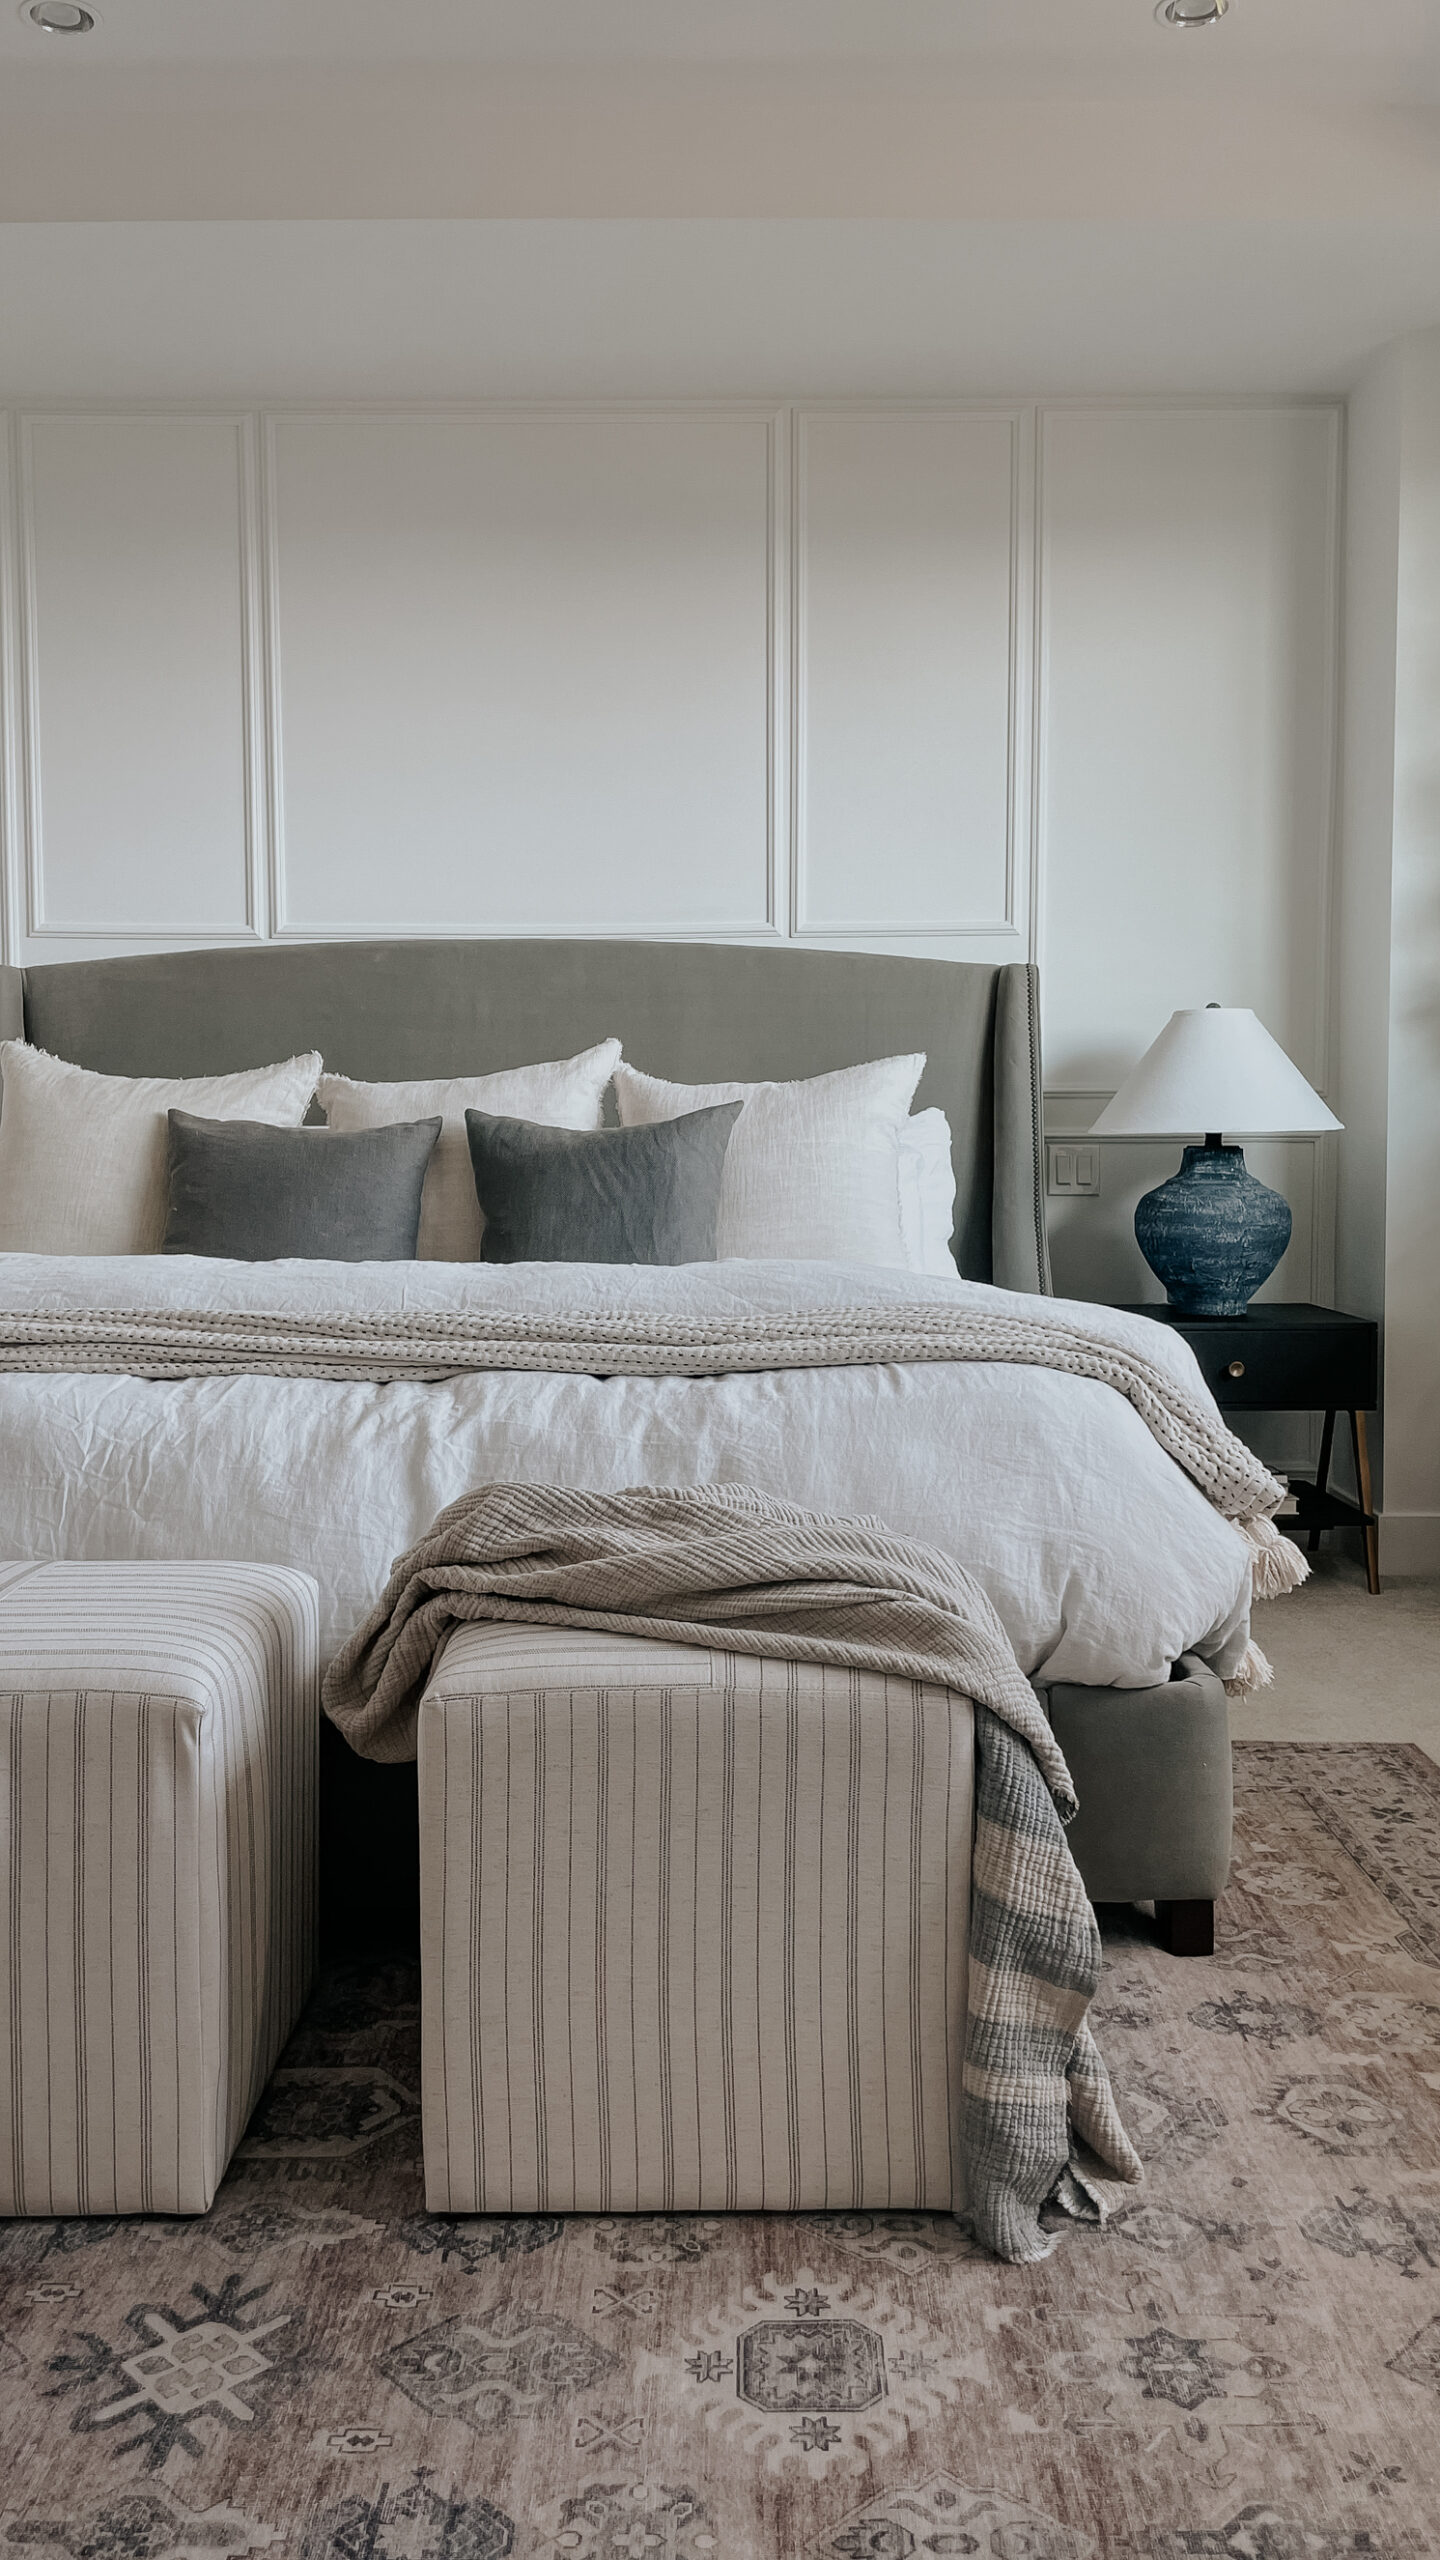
pixel 1244 2363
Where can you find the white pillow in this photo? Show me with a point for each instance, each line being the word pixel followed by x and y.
pixel 813 1169
pixel 927 1178
pixel 82 1156
pixel 565 1093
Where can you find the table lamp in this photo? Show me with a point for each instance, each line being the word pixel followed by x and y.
pixel 1212 1233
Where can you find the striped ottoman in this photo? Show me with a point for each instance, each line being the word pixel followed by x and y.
pixel 693 1930
pixel 158 1732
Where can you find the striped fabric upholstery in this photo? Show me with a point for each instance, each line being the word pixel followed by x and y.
pixel 158 1734
pixel 693 1929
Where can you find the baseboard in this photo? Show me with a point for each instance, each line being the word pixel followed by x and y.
pixel 1410 1542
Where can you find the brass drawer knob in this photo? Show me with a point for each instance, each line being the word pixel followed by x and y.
pixel 1235 1369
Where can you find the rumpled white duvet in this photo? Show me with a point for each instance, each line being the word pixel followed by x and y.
pixel 1104 1561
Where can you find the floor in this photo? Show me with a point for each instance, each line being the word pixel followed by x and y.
pixel 1242 2364
pixel 1348 1667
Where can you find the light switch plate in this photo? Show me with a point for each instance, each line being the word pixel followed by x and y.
pixel 1074 1167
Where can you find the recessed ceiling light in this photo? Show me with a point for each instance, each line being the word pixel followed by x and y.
pixel 58 17
pixel 1191 13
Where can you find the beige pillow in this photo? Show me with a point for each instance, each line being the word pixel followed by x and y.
pixel 813 1169
pixel 564 1093
pixel 82 1156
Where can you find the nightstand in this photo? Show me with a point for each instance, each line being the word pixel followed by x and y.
pixel 1279 1359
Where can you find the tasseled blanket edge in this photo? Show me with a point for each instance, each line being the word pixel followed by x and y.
pixel 1276 1566
pixel 1276 1563
pixel 1253 1671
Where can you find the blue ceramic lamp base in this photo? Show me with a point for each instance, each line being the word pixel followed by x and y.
pixel 1212 1233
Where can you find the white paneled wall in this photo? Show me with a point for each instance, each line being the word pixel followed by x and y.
pixel 908 665
pixel 976 681
pixel 1188 571
pixel 525 672
pixel 137 699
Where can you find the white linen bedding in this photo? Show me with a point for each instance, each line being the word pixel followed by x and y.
pixel 1103 1560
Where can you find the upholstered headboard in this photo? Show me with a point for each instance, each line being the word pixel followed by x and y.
pixel 692 1011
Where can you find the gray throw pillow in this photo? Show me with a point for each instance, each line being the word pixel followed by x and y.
pixel 600 1195
pixel 248 1192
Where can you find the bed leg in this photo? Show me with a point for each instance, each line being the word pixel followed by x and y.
pixel 1186 1928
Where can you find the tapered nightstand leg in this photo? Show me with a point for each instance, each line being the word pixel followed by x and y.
pixel 1360 1443
pixel 1322 1472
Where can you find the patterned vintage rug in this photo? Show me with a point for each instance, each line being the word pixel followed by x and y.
pixel 1245 2364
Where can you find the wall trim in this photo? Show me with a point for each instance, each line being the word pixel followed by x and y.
pixel 283 927
pixel 1017 757
pixel 1323 1031
pixel 252 660
pixel 1039 656
pixel 1409 1543
pixel 11 769
pixel 779 697
pixel 1322 1064
pixel 453 929
pixel 265 916
pixel 37 926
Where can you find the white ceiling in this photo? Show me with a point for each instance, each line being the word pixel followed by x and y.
pixel 458 310
pixel 1371 49
pixel 464 197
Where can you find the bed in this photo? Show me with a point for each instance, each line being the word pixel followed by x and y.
pixel 1124 1594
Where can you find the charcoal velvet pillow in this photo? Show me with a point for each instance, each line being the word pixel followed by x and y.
pixel 600 1195
pixel 249 1193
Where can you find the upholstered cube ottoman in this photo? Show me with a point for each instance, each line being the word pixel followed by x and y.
pixel 693 1930
pixel 158 1732
pixel 1152 1772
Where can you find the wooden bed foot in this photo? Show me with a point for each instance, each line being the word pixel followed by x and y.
pixel 1186 1928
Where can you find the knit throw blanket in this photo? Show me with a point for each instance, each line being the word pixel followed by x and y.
pixel 723 1566
pixel 175 1341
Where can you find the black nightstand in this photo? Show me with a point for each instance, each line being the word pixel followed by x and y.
pixel 1297 1360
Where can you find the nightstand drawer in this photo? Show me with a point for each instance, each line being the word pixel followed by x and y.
pixel 1283 1359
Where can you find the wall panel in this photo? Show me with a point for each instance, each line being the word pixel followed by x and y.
pixel 908 671
pixel 525 672
pixel 1188 600
pixel 135 629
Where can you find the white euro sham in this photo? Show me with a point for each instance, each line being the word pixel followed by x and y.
pixel 82 1155
pixel 813 1171
pixel 562 1093
pixel 927 1192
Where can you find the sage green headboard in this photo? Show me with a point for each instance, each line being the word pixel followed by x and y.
pixel 693 1011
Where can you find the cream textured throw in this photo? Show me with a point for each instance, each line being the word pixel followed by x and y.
pixel 723 1565
pixel 626 1341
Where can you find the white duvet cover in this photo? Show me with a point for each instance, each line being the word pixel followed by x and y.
pixel 1102 1558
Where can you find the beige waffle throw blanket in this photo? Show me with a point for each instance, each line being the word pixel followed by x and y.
pixel 725 1567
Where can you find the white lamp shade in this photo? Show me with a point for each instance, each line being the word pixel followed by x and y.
pixel 1214 1069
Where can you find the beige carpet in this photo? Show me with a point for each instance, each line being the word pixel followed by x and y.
pixel 1349 1667
pixel 1244 2365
